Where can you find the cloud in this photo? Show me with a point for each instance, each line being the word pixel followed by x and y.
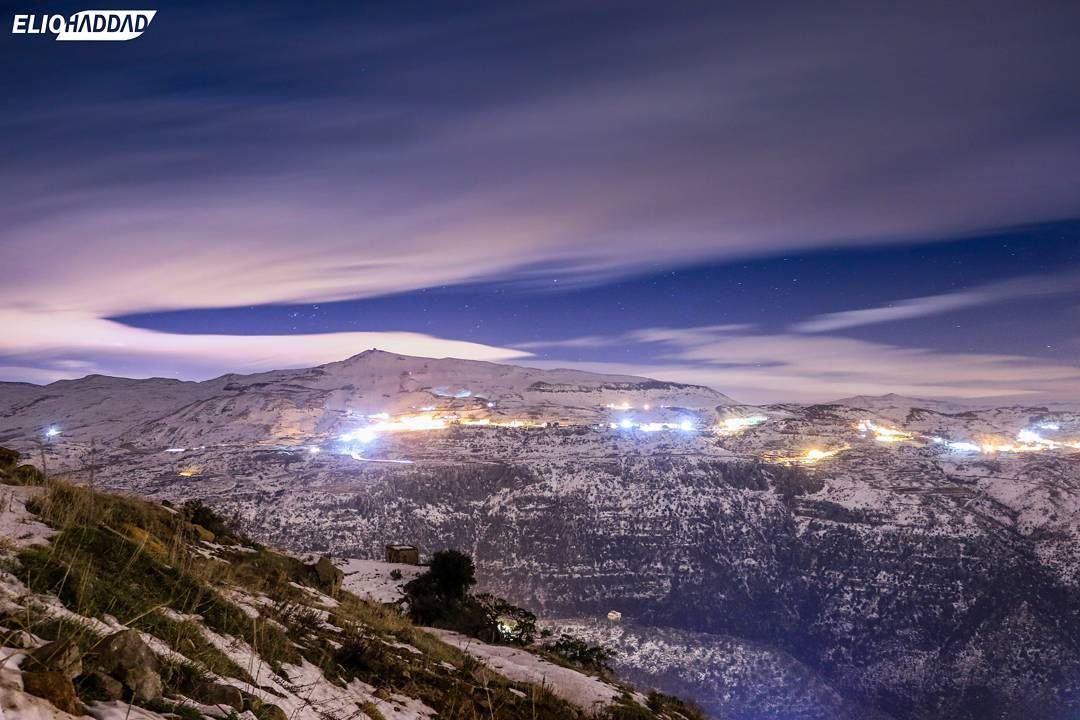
pixel 901 310
pixel 1016 288
pixel 809 368
pixel 215 165
pixel 672 141
pixel 72 344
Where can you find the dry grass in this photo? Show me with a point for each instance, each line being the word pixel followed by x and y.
pixel 135 561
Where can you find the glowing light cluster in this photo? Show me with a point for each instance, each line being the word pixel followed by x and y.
pixel 884 434
pixel 730 426
pixel 52 432
pixel 809 457
pixel 383 424
pixel 957 446
pixel 627 423
pixel 1028 441
pixel 488 422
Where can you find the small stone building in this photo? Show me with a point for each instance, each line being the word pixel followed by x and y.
pixel 405 554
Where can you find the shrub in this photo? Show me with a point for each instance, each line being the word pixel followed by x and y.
pixel 504 622
pixel 440 597
pixel 450 575
pixel 440 591
pixel 299 618
pixel 582 654
pixel 26 475
pixel 199 513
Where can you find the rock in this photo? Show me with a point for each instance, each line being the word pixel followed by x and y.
pixel 62 656
pixel 263 710
pixel 144 539
pixel 203 534
pixel 54 687
pixel 99 686
pixel 330 576
pixel 212 693
pixel 270 712
pixel 127 658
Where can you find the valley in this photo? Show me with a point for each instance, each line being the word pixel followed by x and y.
pixel 873 557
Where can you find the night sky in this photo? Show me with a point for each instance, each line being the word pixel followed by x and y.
pixel 785 202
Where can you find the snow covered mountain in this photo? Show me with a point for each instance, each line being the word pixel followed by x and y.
pixel 868 558
pixel 297 405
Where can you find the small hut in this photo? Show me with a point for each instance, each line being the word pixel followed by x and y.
pixel 404 554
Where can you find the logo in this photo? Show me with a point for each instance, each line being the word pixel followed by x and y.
pixel 86 25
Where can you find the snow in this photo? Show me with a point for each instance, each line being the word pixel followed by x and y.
pixel 250 435
pixel 584 691
pixel 306 406
pixel 307 693
pixel 370 579
pixel 16 704
pixel 17 525
pixel 121 711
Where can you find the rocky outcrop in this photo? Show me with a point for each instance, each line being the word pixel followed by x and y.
pixel 330 576
pixel 125 657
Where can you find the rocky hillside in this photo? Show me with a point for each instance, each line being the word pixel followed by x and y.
pixel 114 608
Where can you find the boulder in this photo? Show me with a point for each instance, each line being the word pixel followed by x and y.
pixel 127 658
pixel 99 686
pixel 212 693
pixel 62 656
pixel 263 710
pixel 54 687
pixel 330 575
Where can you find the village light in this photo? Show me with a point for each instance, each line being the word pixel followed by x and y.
pixel 1027 436
pixel 314 450
pixel 52 432
pixel 882 433
pixel 735 424
pixel 686 426
pixel 626 423
pixel 362 435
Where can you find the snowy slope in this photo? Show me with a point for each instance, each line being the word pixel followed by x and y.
pixel 289 406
